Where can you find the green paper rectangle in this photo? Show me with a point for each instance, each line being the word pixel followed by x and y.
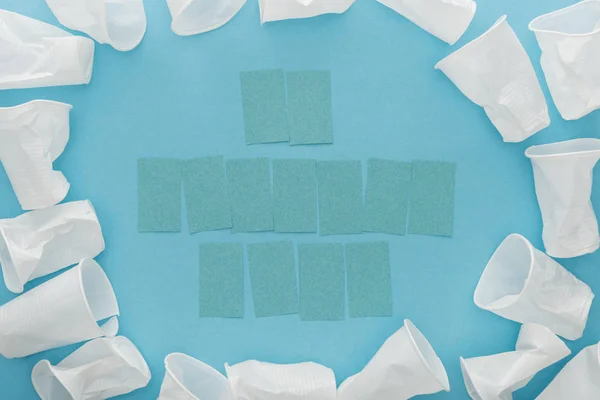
pixel 273 278
pixel 340 197
pixel 387 196
pixel 309 101
pixel 432 198
pixel 206 199
pixel 295 195
pixel 264 106
pixel 159 195
pixel 249 188
pixel 221 280
pixel 322 286
pixel 369 279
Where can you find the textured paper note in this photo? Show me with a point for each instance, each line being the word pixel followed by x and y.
pixel 432 198
pixel 249 185
pixel 322 286
pixel 159 195
pixel 273 278
pixel 206 199
pixel 295 195
pixel 369 279
pixel 309 102
pixel 387 195
pixel 264 105
pixel 340 197
pixel 221 280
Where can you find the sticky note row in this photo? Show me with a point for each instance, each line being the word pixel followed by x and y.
pixel 317 291
pixel 292 107
pixel 245 195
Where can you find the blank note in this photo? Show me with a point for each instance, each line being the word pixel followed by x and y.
pixel 159 195
pixel 295 195
pixel 221 280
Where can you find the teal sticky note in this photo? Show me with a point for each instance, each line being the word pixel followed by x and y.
pixel 432 198
pixel 264 106
pixel 159 195
pixel 221 280
pixel 206 199
pixel 340 197
pixel 295 195
pixel 249 188
pixel 322 286
pixel 369 279
pixel 309 103
pixel 273 278
pixel 387 196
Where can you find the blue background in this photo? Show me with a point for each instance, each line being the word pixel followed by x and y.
pixel 180 97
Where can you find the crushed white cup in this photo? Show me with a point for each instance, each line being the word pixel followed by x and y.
pixel 570 42
pixel 495 72
pixel 523 284
pixel 32 136
pixel 563 184
pixel 100 369
pixel 497 376
pixel 44 241
pixel 405 366
pixel 62 311
pixel 36 54
pixel 277 10
pixel 254 380
pixel 191 17
pixel 446 20
pixel 119 23
pixel 189 379
pixel 578 380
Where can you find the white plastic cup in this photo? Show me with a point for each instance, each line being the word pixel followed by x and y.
pixel 277 10
pixel 44 241
pixel 578 380
pixel 495 72
pixel 32 136
pixel 446 20
pixel 62 311
pixel 563 184
pixel 189 379
pixel 497 376
pixel 36 54
pixel 523 284
pixel 100 369
pixel 119 23
pixel 192 17
pixel 405 366
pixel 570 42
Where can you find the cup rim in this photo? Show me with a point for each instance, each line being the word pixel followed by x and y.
pixel 204 366
pixel 562 11
pixel 211 25
pixel 473 42
pixel 413 331
pixel 530 152
pixel 37 101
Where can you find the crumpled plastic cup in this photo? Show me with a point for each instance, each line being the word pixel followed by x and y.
pixel 191 17
pixel 497 376
pixel 405 366
pixel 62 311
pixel 189 379
pixel 563 184
pixel 277 10
pixel 523 284
pixel 119 23
pixel 570 44
pixel 36 54
pixel 254 380
pixel 32 136
pixel 100 369
pixel 447 20
pixel 44 241
pixel 495 72
pixel 578 380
